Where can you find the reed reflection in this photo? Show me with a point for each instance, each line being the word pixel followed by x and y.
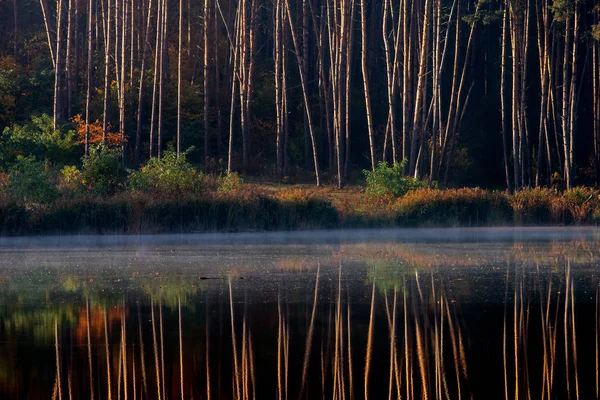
pixel 361 321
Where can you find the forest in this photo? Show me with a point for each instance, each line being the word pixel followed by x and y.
pixel 102 95
pixel 468 92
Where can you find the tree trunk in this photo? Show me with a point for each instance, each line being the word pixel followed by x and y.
pixel 138 130
pixel 365 74
pixel 304 93
pixel 162 73
pixel 206 76
pixel 157 51
pixel 68 57
pixel 180 49
pixel 58 65
pixel 50 32
pixel 88 97
pixel 503 98
pixel 105 120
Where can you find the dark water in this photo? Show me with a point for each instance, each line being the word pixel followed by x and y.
pixel 438 314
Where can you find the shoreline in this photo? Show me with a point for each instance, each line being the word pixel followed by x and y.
pixel 252 209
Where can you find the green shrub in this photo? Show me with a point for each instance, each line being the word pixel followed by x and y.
pixel 229 182
pixel 169 175
pixel 390 181
pixel 102 170
pixel 31 181
pixel 39 138
pixel 71 180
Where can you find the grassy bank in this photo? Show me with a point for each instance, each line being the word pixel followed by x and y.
pixel 260 207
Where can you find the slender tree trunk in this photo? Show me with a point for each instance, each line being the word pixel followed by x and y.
pixel 390 81
pixel 15 30
pixel 180 49
pixel 217 81
pixel 138 130
pixel 277 40
pixel 234 79
pixel 68 57
pixel 573 95
pixel 105 120
pixel 420 94
pixel 596 99
pixel 88 97
pixel 305 49
pixel 157 52
pixel 124 23
pixel 162 73
pixel 206 76
pixel 304 93
pixel 565 103
pixel 58 65
pixel 50 32
pixel 365 74
pixel 503 98
pixel 350 35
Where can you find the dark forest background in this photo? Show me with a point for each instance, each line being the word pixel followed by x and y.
pixel 469 92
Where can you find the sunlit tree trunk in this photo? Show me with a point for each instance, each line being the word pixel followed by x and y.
pixel 138 130
pixel 50 32
pixel 365 75
pixel 277 41
pixel 106 69
pixel 157 52
pixel 88 96
pixel 124 23
pixel 161 84
pixel 68 57
pixel 304 93
pixel 206 78
pixel 421 82
pixel 57 64
pixel 505 144
pixel 390 81
pixel 179 57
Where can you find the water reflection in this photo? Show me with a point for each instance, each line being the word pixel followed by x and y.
pixel 361 320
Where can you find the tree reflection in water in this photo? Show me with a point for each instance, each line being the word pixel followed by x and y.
pixel 372 321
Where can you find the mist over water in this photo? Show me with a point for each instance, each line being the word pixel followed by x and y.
pixel 438 314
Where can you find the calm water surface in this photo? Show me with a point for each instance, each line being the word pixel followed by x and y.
pixel 435 314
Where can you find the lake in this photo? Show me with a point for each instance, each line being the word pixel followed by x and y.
pixel 412 314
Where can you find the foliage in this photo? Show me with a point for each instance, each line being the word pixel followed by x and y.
pixel 229 182
pixel 102 170
pixel 453 207
pixel 39 138
pixel 8 89
pixel 31 181
pixel 390 181
pixel 168 175
pixel 596 32
pixel 95 133
pixel 71 179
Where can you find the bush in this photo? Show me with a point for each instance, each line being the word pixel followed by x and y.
pixel 102 170
pixel 71 180
pixel 390 181
pixel 168 175
pixel 229 182
pixel 38 138
pixel 453 207
pixel 539 205
pixel 31 181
